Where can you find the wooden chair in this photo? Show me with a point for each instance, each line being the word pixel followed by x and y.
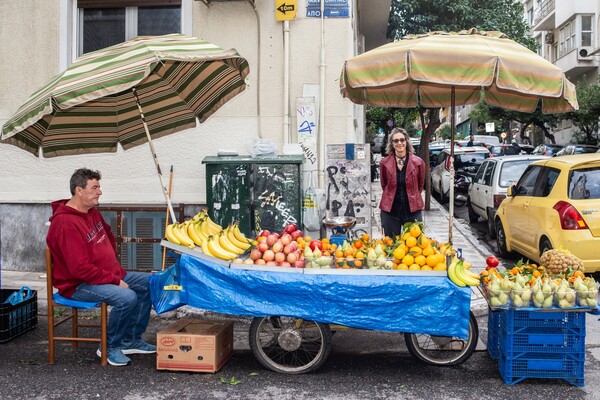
pixel 56 300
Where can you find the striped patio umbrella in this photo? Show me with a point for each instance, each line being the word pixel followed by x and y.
pixel 441 69
pixel 130 93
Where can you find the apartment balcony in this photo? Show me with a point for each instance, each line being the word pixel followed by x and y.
pixel 575 64
pixel 544 17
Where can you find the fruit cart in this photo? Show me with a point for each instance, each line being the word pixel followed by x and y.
pixel 295 309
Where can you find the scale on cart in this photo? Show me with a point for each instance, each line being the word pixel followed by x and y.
pixel 339 228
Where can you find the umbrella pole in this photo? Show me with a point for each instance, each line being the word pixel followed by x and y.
pixel 451 194
pixel 154 157
pixel 164 256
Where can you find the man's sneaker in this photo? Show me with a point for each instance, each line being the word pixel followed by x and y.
pixel 138 347
pixel 115 357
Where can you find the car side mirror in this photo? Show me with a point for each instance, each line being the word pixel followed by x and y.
pixel 511 191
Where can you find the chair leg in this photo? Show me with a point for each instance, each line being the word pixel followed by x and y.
pixel 50 332
pixel 75 327
pixel 104 334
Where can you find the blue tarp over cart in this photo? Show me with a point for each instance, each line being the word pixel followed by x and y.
pixel 399 303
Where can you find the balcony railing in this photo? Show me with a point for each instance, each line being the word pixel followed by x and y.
pixel 545 9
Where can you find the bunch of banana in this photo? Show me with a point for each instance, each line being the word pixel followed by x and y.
pixel 177 233
pixel 461 276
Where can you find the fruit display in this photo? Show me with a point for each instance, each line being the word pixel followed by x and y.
pixel 563 285
pixel 214 240
pixel 460 275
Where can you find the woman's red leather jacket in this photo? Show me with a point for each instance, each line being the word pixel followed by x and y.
pixel 415 180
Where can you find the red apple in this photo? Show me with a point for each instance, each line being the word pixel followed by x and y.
pixel 290 228
pixel 286 238
pixel 288 248
pixel 264 232
pixel 260 261
pixel 263 246
pixel 315 244
pixel 248 261
pixel 285 264
pixel 280 257
pixel 297 234
pixel 271 239
pixel 271 263
pixel 292 258
pixel 298 264
pixel 269 255
pixel 492 262
pixel 255 254
pixel 277 246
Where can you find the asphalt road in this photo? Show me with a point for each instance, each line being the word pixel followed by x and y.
pixel 362 365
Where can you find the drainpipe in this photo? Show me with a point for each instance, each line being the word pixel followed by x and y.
pixel 286 83
pixel 321 133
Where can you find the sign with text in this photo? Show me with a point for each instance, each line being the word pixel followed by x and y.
pixel 331 9
pixel 490 127
pixel 307 128
pixel 285 10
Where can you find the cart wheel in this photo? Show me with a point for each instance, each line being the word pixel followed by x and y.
pixel 289 345
pixel 443 350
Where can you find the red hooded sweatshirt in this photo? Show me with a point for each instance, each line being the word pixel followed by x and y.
pixel 83 249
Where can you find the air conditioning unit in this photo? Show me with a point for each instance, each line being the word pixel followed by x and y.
pixel 585 53
pixel 549 39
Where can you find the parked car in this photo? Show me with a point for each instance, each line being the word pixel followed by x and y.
pixel 577 149
pixel 504 150
pixel 547 149
pixel 466 162
pixel 489 186
pixel 526 148
pixel 556 202
pixel 377 143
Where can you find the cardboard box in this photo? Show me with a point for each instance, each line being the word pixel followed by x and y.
pixel 194 345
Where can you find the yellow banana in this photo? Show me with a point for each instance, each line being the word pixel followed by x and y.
pixel 205 249
pixel 452 274
pixel 182 236
pixel 199 215
pixel 227 245
pixel 217 250
pixel 191 231
pixel 238 234
pixel 196 225
pixel 212 225
pixel 170 235
pixel 467 280
pixel 204 228
pixel 245 245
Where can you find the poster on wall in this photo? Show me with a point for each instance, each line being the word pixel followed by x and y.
pixel 348 184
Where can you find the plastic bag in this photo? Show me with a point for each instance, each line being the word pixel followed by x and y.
pixel 262 148
pixel 25 293
pixel 165 289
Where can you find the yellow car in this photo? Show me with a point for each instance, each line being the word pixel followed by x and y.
pixel 556 202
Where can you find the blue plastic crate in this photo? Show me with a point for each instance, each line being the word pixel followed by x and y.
pixel 513 320
pixel 542 340
pixel 16 319
pixel 493 345
pixel 569 367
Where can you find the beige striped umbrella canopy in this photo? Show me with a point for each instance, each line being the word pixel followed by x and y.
pixel 441 69
pixel 130 93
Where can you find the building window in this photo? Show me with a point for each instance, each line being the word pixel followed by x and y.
pixel 119 21
pixel 586 30
pixel 567 38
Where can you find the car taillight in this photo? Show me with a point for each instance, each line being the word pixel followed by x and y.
pixel 570 219
pixel 498 199
pixel 448 163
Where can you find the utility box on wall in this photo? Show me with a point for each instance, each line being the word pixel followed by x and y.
pixel 260 193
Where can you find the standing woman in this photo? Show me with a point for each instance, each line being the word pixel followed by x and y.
pixel 402 175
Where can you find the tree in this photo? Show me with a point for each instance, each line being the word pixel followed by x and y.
pixel 586 118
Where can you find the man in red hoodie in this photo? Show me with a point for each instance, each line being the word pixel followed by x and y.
pixel 86 267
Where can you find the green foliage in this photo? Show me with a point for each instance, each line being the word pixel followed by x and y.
pixel 420 16
pixel 586 118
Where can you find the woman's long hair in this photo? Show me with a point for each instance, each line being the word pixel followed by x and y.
pixel 389 148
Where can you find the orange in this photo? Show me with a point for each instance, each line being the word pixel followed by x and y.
pixel 349 251
pixel 357 244
pixel 411 241
pixel 415 230
pixel 406 236
pixel 427 251
pixel 399 253
pixel 423 241
pixel 440 267
pixel 365 237
pixel 414 267
pixel 408 259
pixel 426 268
pixel 415 251
pixel 359 254
pixel 358 263
pixel 420 260
pixel 432 260
pixel 339 253
pixel 402 266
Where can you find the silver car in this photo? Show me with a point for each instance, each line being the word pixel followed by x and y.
pixel 490 184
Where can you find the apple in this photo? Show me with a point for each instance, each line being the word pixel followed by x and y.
pixel 286 238
pixel 264 232
pixel 292 258
pixel 289 228
pixel 260 261
pixel 492 262
pixel 263 246
pixel 298 264
pixel 288 248
pixel 248 261
pixel 295 245
pixel 255 254
pixel 280 257
pixel 315 244
pixel 277 246
pixel 237 261
pixel 285 264
pixel 268 255
pixel 271 239
pixel 271 263
pixel 297 234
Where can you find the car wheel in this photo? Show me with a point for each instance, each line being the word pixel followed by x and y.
pixel 491 225
pixel 545 245
pixel 473 217
pixel 501 240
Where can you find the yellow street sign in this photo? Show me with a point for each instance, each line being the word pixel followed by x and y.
pixel 285 10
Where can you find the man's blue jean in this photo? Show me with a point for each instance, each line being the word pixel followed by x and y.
pixel 130 306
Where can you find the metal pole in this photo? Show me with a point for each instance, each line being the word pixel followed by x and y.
pixel 164 256
pixel 154 157
pixel 451 195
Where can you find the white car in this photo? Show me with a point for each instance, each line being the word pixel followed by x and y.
pixel 466 162
pixel 489 186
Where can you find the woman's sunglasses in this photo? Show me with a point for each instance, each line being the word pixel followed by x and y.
pixel 396 141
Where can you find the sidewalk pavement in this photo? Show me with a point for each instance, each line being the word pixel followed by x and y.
pixel 436 226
